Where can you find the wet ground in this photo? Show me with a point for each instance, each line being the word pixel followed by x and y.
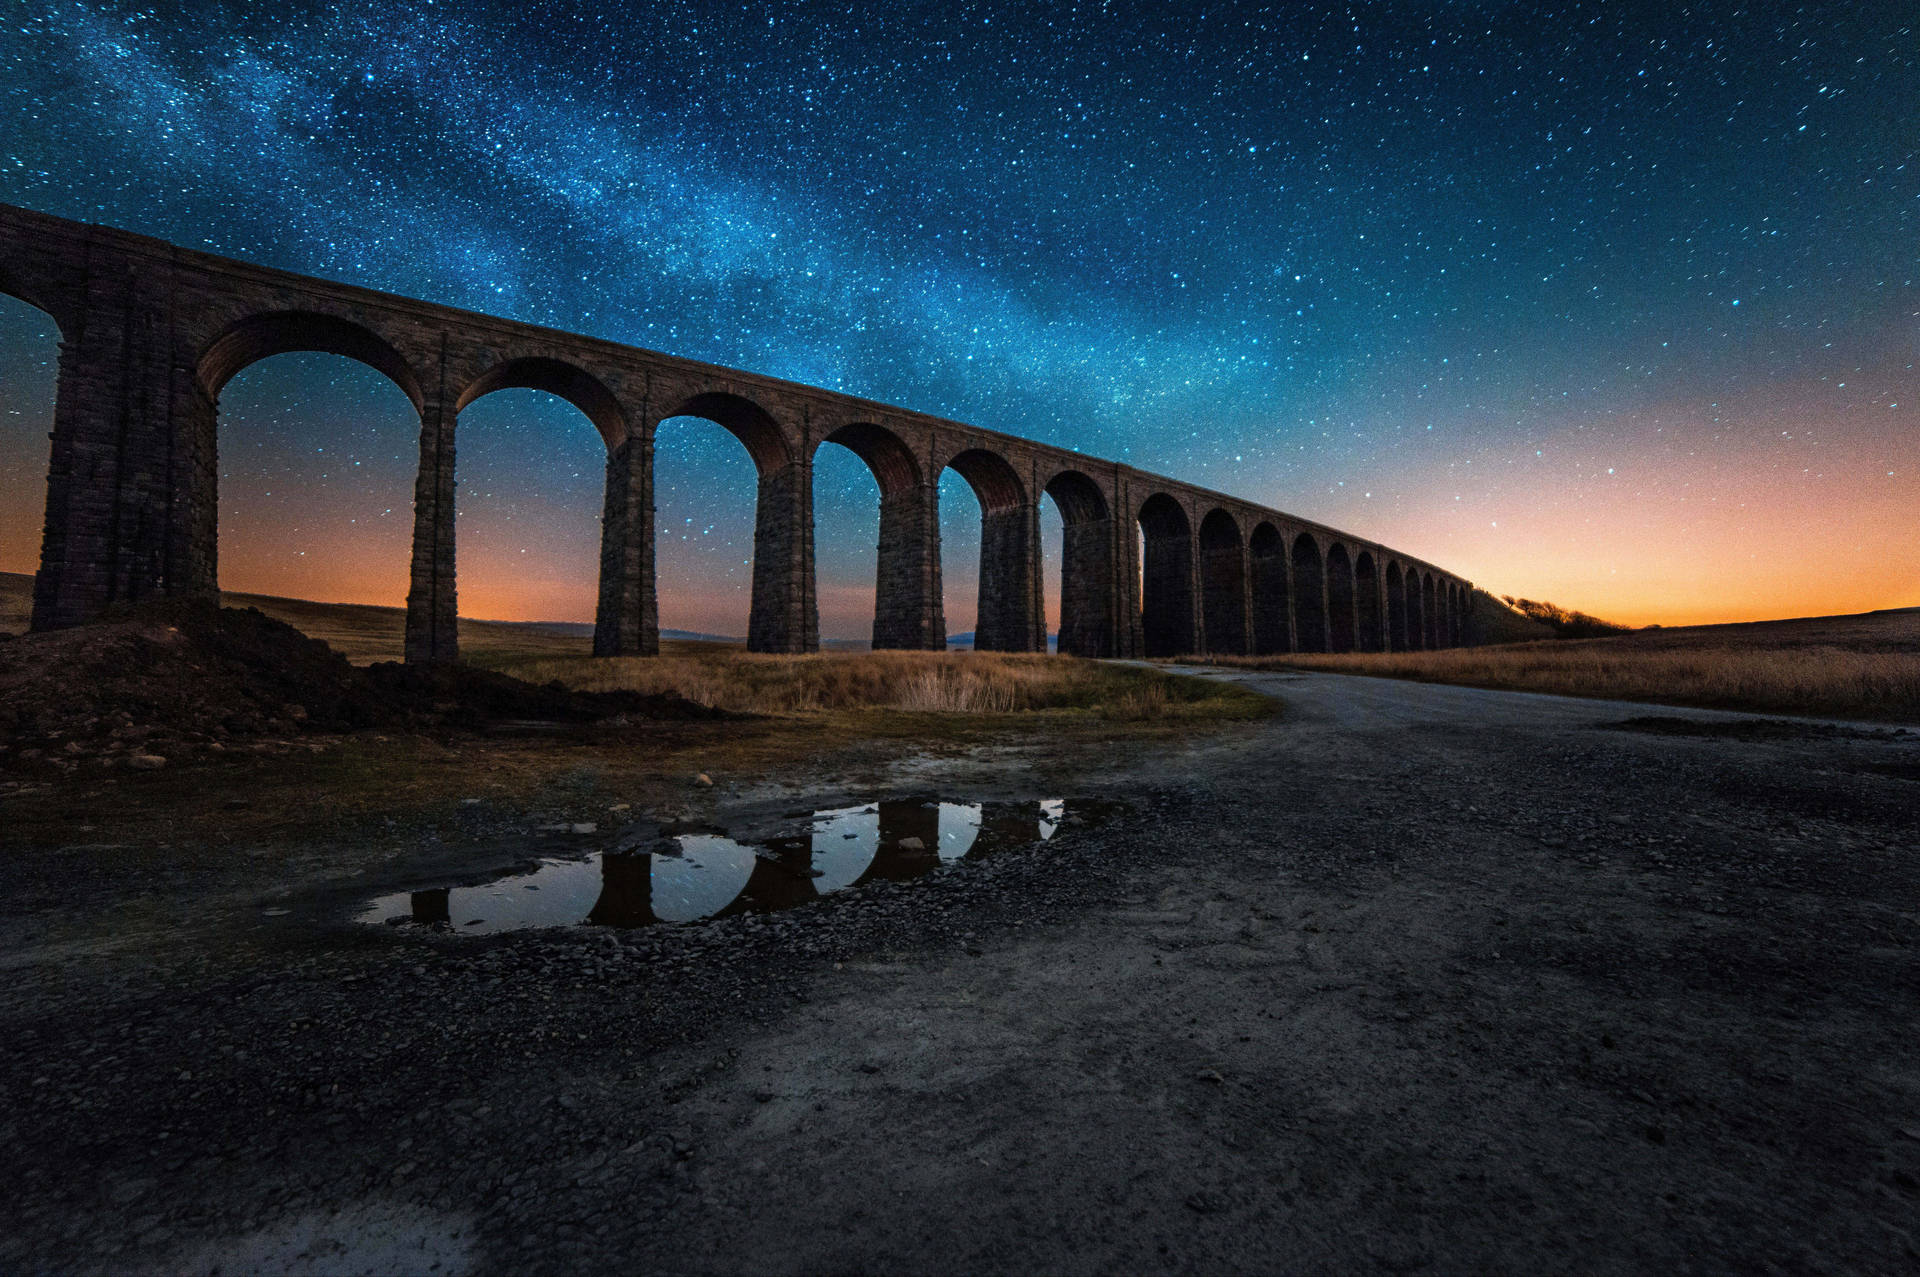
pixel 1413 978
pixel 652 875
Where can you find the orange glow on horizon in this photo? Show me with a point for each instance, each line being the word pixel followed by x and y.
pixel 1681 517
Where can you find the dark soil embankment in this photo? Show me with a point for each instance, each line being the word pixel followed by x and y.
pixel 168 681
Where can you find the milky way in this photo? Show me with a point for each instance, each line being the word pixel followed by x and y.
pixel 1614 304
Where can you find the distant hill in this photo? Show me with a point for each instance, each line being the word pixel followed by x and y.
pixel 964 642
pixel 1490 620
pixel 365 634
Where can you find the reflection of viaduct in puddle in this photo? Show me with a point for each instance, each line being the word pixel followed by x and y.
pixel 691 876
pixel 430 907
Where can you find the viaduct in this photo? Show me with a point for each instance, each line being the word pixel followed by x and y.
pixel 150 333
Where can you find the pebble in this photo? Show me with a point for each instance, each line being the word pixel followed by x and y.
pixel 146 762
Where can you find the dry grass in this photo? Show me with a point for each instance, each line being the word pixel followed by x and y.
pixel 913 682
pixel 1868 670
pixel 728 677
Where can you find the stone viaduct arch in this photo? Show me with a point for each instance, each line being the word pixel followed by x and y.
pixel 1396 607
pixel 1309 595
pixel 151 333
pixel 1272 600
pixel 1224 580
pixel 1169 614
pixel 1087 594
pixel 1340 599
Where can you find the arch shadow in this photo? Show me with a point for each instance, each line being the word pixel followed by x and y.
pixel 1416 614
pixel 1309 595
pixel 1166 577
pixel 10 286
pixel 1009 617
pixel 1223 584
pixel 1086 564
pixel 746 421
pixel 1267 550
pixel 893 464
pixel 994 481
pixel 562 380
pixel 262 336
pixel 906 575
pixel 1366 588
pixel 1339 599
pixel 1396 607
pixel 782 614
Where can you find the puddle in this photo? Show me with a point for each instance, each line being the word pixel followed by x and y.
pixel 689 876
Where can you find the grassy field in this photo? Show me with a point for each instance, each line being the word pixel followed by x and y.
pixel 1864 667
pixel 913 682
pixel 726 676
pixel 839 719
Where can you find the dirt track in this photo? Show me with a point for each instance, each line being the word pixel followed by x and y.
pixel 1412 978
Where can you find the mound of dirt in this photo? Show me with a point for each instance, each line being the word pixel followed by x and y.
pixel 169 680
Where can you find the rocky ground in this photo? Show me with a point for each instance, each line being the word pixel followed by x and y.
pixel 1412 978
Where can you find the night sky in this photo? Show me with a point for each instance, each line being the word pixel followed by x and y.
pixel 1611 304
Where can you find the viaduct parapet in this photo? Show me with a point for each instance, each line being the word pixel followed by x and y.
pixel 151 333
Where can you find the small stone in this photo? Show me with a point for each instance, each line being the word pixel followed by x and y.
pixel 702 781
pixel 584 826
pixel 146 762
pixel 1210 1075
pixel 912 844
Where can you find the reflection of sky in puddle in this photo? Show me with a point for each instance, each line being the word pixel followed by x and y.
pixel 959 826
pixel 709 874
pixel 844 842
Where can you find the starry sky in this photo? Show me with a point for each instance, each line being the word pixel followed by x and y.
pixel 1611 304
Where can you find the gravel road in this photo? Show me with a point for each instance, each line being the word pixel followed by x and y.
pixel 1411 978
